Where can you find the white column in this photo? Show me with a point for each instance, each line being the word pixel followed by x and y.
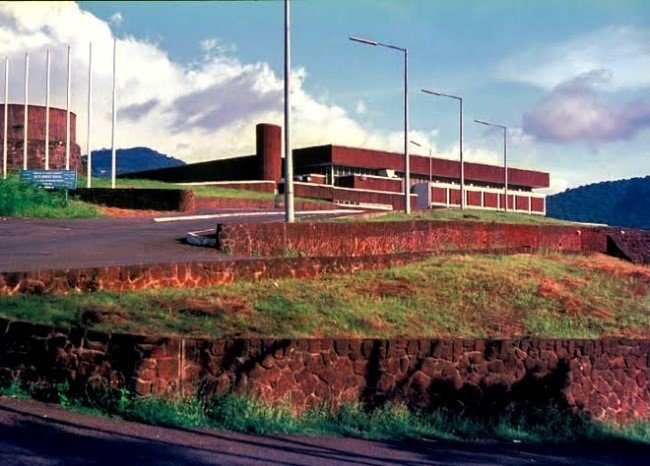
pixel 90 86
pixel 67 119
pixel 26 116
pixel 4 144
pixel 113 161
pixel 47 111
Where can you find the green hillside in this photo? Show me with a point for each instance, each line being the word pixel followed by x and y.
pixel 624 203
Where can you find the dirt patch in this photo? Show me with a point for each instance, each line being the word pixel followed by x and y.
pixel 562 291
pixel 373 324
pixel 618 267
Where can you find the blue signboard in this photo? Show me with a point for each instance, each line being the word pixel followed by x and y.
pixel 51 179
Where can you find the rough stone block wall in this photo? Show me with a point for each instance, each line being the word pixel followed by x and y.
pixel 633 245
pixel 359 239
pixel 605 379
pixel 189 274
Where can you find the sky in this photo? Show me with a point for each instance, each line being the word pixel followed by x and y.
pixel 570 79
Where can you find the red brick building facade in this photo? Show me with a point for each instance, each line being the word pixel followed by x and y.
pixel 356 176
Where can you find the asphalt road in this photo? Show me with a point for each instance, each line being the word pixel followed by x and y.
pixel 36 244
pixel 33 433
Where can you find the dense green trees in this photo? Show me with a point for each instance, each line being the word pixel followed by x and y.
pixel 623 203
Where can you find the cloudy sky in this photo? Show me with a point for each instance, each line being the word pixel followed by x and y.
pixel 571 79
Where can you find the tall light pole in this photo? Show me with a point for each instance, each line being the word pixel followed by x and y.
pixel 460 142
pixel 4 139
pixel 407 163
pixel 415 143
pixel 288 156
pixel 505 158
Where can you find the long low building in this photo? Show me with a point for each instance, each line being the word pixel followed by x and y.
pixel 370 178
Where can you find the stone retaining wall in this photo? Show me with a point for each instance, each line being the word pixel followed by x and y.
pixel 190 274
pixel 360 239
pixel 633 245
pixel 604 379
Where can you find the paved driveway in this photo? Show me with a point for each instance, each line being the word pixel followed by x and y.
pixel 33 244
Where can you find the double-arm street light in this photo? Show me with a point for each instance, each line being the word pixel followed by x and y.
pixel 460 145
pixel 505 158
pixel 407 164
pixel 415 143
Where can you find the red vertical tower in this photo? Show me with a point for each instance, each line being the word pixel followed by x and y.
pixel 269 151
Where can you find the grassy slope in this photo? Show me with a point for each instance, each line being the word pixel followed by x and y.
pixel 19 199
pixel 464 296
pixel 487 216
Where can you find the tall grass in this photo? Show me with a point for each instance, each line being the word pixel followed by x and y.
pixel 390 421
pixel 21 199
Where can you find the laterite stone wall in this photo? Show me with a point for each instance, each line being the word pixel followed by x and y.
pixel 359 239
pixel 605 379
pixel 189 274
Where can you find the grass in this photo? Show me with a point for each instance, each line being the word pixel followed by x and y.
pixel 19 199
pixel 471 296
pixel 452 215
pixel 391 421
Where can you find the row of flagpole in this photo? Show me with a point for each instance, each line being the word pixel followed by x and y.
pixel 47 115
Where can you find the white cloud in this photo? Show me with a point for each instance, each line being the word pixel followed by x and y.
pixel 116 19
pixel 361 107
pixel 208 44
pixel 577 110
pixel 623 51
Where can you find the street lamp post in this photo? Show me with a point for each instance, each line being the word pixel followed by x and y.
pixel 407 164
pixel 505 157
pixel 460 145
pixel 288 154
pixel 415 143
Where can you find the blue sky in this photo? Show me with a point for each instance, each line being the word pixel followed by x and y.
pixel 570 78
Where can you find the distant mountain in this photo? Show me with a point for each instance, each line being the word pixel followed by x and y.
pixel 624 203
pixel 135 159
